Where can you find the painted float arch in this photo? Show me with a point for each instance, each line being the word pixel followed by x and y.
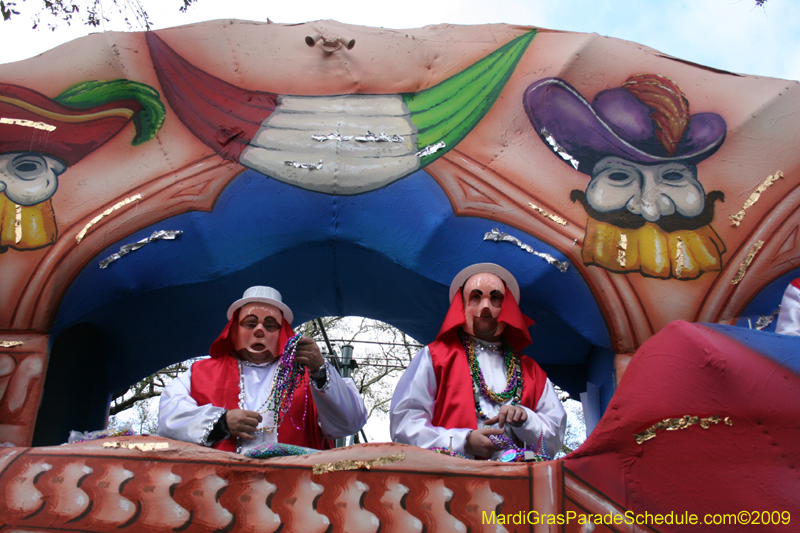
pixel 359 181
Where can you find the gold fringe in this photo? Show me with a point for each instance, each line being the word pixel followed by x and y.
pixel 27 227
pixel 324 468
pixel 652 251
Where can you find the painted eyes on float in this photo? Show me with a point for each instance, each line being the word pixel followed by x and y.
pixel 674 175
pixel 28 166
pixel 620 176
pixel 651 191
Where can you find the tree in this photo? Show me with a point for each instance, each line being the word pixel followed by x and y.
pixel 576 424
pixel 143 419
pixel 383 354
pixel 149 387
pixel 92 13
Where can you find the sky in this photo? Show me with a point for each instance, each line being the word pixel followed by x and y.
pixel 733 35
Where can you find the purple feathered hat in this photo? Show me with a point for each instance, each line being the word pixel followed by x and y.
pixel 617 123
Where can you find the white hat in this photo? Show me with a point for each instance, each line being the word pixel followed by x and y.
pixel 262 294
pixel 480 268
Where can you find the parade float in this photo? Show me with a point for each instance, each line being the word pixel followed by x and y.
pixel 648 207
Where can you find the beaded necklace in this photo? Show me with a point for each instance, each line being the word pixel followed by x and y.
pixel 449 450
pixel 446 451
pixel 513 390
pixel 288 377
pixel 515 453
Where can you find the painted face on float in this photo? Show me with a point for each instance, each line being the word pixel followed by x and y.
pixel 651 191
pixel 483 299
pixel 255 335
pixel 29 178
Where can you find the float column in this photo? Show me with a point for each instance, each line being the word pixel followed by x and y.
pixel 23 365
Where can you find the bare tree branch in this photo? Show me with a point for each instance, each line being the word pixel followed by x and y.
pixel 149 387
pixel 93 13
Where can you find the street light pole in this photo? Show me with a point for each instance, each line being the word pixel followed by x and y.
pixel 345 369
pixel 347 358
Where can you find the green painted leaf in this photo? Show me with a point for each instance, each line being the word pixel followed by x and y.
pixel 147 120
pixel 448 111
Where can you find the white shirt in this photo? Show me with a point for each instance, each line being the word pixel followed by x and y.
pixel 414 400
pixel 789 317
pixel 340 407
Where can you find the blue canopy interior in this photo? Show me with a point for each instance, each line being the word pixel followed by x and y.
pixel 389 254
pixel 782 349
pixel 767 302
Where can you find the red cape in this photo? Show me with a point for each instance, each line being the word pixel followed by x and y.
pixel 215 381
pixel 455 402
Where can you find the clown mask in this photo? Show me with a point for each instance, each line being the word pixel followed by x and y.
pixel 483 299
pixel 255 334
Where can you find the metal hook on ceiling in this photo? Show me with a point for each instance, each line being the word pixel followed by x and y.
pixel 329 44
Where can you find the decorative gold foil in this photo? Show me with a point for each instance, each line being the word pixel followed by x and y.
pixel 10 344
pixel 350 464
pixel 737 218
pixel 27 123
pixel 746 263
pixel 18 224
pixel 679 258
pixel 105 213
pixel 499 236
pixel 672 424
pixel 555 218
pixel 141 446
pixel 622 249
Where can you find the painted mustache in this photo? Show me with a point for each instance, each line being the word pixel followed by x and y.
pixel 622 218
